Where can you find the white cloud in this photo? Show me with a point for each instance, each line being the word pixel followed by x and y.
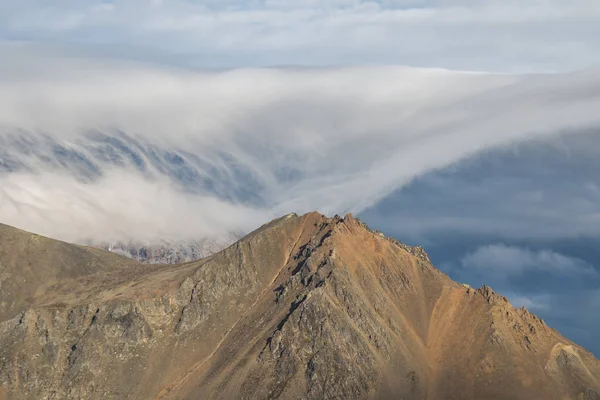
pixel 499 260
pixel 573 312
pixel 119 207
pixel 535 303
pixel 494 35
pixel 562 290
pixel 343 138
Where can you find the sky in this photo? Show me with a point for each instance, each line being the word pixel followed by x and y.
pixel 491 35
pixel 468 127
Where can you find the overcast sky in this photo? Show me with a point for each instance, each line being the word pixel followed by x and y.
pixel 491 35
pixel 152 119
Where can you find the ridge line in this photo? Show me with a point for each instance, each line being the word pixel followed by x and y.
pixel 226 334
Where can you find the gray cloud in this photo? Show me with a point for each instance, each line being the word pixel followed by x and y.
pixel 573 312
pixel 560 288
pixel 521 218
pixel 540 190
pixel 550 35
pixel 502 261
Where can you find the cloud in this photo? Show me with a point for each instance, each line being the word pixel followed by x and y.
pixel 260 141
pixel 523 218
pixel 536 303
pixel 121 206
pixel 561 289
pixel 574 313
pixel 509 261
pixel 538 36
pixel 540 190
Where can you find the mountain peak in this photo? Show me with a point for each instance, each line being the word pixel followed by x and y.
pixel 304 307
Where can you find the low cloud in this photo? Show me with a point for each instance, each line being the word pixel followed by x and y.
pixel 499 260
pixel 120 206
pixel 541 190
pixel 260 142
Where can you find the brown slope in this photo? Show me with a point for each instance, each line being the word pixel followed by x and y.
pixel 31 265
pixel 305 307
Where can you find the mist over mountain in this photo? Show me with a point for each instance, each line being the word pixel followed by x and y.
pixel 148 153
pixel 176 252
pixel 156 136
pixel 137 156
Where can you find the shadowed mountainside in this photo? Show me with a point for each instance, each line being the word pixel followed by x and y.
pixel 304 307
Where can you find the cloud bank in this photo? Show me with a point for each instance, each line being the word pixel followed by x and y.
pixel 544 190
pixel 549 35
pixel 118 207
pixel 255 143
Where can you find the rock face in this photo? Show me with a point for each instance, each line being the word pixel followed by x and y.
pixel 305 307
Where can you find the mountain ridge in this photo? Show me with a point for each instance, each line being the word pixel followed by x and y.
pixel 303 307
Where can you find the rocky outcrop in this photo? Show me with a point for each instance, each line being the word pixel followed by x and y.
pixel 305 307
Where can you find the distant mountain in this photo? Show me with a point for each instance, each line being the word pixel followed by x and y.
pixel 304 307
pixel 171 252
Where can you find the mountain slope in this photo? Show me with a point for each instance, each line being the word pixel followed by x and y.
pixel 304 307
pixel 32 265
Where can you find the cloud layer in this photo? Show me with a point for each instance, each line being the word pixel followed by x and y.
pixel 548 35
pixel 539 189
pixel 265 142
pixel 118 207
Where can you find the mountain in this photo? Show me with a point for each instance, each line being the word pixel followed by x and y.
pixel 32 266
pixel 171 252
pixel 304 307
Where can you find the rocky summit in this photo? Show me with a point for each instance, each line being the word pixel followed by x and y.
pixel 305 307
